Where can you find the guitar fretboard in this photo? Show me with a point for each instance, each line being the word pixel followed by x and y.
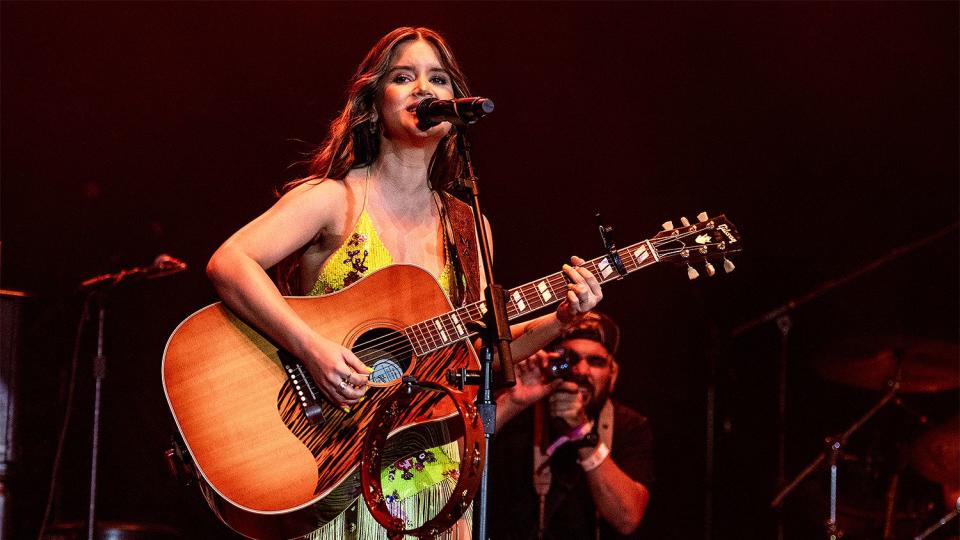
pixel 440 331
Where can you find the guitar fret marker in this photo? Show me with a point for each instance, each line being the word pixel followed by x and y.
pixel 604 267
pixel 448 325
pixel 443 334
pixel 641 254
pixel 428 331
pixel 544 291
pixel 518 300
pixel 457 325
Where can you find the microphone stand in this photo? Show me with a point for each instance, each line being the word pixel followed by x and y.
pixel 99 287
pixel 495 331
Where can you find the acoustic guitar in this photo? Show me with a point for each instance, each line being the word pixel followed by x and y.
pixel 275 460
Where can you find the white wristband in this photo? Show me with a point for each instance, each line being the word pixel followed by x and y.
pixel 596 458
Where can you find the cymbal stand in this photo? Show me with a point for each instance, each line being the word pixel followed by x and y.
pixel 781 314
pixel 940 523
pixel 835 445
pixel 784 324
pixel 99 374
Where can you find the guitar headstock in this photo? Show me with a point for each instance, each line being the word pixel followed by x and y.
pixel 709 239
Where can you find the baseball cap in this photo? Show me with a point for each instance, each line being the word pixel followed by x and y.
pixel 594 326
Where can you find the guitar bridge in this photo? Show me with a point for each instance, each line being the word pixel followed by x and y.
pixel 308 395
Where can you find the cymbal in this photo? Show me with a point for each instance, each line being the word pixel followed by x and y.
pixel 929 365
pixel 936 454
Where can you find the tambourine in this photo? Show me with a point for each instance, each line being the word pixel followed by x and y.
pixel 471 463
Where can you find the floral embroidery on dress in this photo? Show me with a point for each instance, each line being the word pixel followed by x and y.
pixel 408 466
pixel 356 262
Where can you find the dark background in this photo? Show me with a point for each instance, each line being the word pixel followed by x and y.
pixel 828 132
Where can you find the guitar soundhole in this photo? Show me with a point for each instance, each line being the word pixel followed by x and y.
pixel 387 351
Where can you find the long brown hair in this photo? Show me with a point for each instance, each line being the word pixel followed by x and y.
pixel 354 137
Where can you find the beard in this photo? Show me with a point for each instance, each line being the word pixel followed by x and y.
pixel 598 397
pixel 594 397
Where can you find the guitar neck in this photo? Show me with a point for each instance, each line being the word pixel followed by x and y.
pixel 442 330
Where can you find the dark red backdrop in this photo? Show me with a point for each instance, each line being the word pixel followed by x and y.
pixel 827 131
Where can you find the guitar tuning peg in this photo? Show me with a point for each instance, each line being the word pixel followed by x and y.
pixel 711 271
pixel 668 225
pixel 702 217
pixel 728 266
pixel 692 273
pixel 685 222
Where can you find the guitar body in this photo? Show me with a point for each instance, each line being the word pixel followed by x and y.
pixel 269 472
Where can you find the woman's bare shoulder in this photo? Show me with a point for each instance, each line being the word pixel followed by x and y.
pixel 329 205
pixel 322 202
pixel 315 188
pixel 329 190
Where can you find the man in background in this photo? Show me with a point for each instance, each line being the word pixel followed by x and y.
pixel 567 461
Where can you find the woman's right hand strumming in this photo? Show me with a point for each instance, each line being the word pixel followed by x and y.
pixel 339 374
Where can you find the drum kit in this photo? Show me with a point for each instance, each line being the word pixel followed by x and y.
pixel 907 371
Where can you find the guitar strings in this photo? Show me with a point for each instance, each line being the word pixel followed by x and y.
pixel 430 331
pixel 398 343
pixel 431 338
pixel 434 335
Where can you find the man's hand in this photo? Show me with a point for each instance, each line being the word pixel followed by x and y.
pixel 531 385
pixel 568 403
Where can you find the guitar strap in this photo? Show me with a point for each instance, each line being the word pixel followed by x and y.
pixel 461 231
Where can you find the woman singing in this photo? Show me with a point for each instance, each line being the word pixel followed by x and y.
pixel 375 196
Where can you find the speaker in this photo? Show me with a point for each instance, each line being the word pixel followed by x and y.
pixel 11 305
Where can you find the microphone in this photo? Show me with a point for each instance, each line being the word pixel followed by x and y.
pixel 460 111
pixel 163 265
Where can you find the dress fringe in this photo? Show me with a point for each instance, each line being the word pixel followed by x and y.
pixel 414 510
